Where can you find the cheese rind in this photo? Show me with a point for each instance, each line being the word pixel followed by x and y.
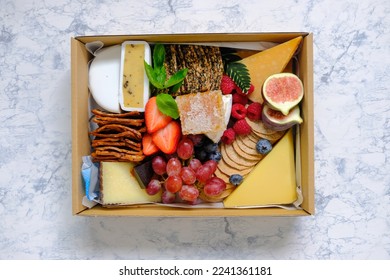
pixel 272 181
pixel 268 62
pixel 215 136
pixel 103 77
pixel 119 186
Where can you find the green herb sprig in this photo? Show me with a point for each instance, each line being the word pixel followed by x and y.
pixel 157 74
pixel 158 78
pixel 237 71
pixel 167 105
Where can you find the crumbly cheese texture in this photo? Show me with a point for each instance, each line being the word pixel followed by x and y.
pixel 201 112
pixel 119 186
pixel 269 62
pixel 272 181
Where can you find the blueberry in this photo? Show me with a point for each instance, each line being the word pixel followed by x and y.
pixel 235 179
pixel 263 146
pixel 216 156
pixel 201 154
pixel 211 148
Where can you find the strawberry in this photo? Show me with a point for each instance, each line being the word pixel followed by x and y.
pixel 148 146
pixel 167 138
pixel 154 119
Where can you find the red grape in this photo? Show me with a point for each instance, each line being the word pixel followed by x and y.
pixel 189 193
pixel 185 148
pixel 213 164
pixel 173 166
pixel 187 175
pixel 168 197
pixel 204 173
pixel 159 165
pixel 214 186
pixel 153 187
pixel 194 164
pixel 173 183
pixel 197 139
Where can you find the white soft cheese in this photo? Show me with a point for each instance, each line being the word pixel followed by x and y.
pixel 104 78
pixel 215 136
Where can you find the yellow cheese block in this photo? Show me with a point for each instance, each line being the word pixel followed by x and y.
pixel 119 186
pixel 272 181
pixel 269 62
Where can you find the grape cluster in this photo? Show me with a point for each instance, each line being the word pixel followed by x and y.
pixel 184 175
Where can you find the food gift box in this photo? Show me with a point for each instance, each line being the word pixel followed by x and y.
pixel 193 125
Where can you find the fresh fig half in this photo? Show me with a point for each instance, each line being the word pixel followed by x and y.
pixel 283 91
pixel 275 120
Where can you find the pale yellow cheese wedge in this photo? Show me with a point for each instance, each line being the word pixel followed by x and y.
pixel 272 181
pixel 119 186
pixel 269 62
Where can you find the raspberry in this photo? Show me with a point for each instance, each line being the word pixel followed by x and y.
pixel 250 90
pixel 227 85
pixel 242 127
pixel 228 136
pixel 238 111
pixel 253 111
pixel 239 98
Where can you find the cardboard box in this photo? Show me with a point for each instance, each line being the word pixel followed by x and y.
pixel 81 144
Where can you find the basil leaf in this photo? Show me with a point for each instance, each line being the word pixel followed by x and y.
pixel 176 87
pixel 161 75
pixel 152 76
pixel 176 78
pixel 167 105
pixel 158 56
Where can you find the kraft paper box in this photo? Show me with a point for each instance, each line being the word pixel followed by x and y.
pixel 80 123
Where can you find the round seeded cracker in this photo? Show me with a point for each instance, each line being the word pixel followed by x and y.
pixel 236 159
pixel 221 175
pixel 217 198
pixel 247 146
pixel 229 170
pixel 253 137
pixel 259 127
pixel 271 137
pixel 238 149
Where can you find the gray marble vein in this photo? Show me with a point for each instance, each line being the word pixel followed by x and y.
pixel 352 133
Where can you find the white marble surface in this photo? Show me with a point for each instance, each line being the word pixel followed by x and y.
pixel 352 133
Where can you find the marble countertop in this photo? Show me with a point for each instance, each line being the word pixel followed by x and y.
pixel 352 133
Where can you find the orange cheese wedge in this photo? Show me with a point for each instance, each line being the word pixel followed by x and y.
pixel 269 62
pixel 272 181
